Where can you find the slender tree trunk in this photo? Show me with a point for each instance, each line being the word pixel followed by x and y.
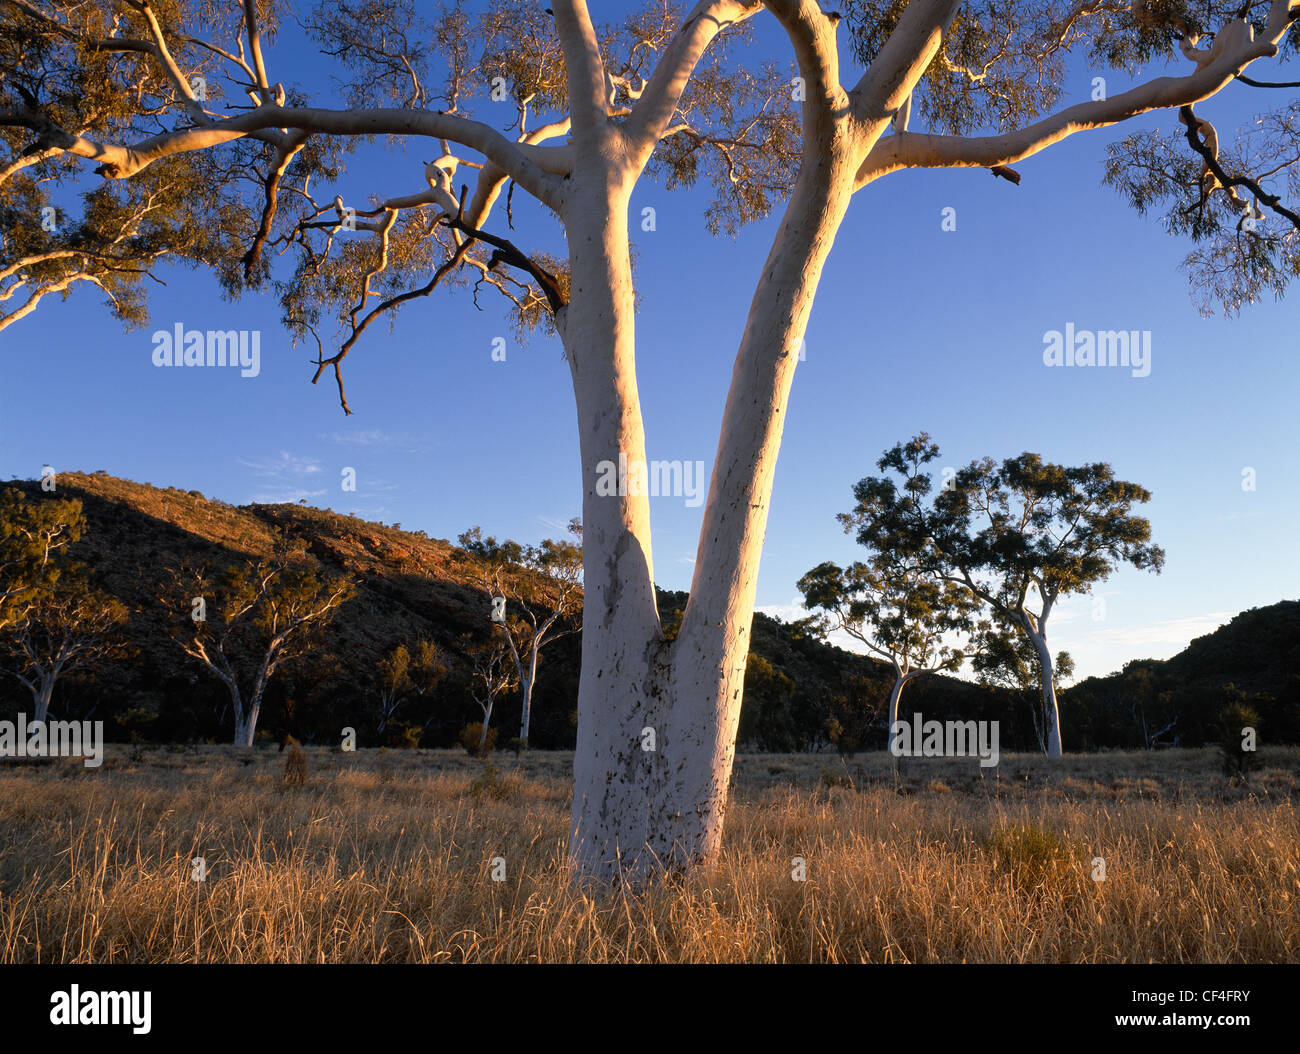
pixel 41 699
pixel 1051 714
pixel 709 655
pixel 621 688
pixel 899 681
pixel 245 722
pixel 528 696
pixel 487 720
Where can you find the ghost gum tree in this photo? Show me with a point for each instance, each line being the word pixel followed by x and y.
pixel 999 530
pixel 894 603
pixel 543 585
pixel 658 93
pixel 262 614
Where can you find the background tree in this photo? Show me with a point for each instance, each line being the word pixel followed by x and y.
pixel 1002 529
pixel 255 616
pixel 1025 524
pixel 766 717
pixel 893 604
pixel 68 628
pixel 630 98
pixel 492 674
pixel 401 674
pixel 898 611
pixel 545 583
pixel 1003 657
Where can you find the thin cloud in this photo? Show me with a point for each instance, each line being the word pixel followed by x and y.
pixel 1179 631
pixel 285 466
pixel 272 496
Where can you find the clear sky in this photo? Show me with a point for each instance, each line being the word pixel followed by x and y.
pixel 915 328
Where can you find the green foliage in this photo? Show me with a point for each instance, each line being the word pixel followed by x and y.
pixel 491 784
pixel 34 536
pixel 1032 856
pixel 1236 720
pixel 403 734
pixel 765 713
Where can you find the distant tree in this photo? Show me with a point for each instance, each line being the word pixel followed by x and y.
pixel 392 682
pixel 34 535
pixel 68 628
pixel 1003 528
pixel 1239 723
pixel 1139 687
pixel 491 675
pixel 1003 657
pixel 243 623
pixel 765 718
pixel 893 604
pixel 545 582
pixel 401 674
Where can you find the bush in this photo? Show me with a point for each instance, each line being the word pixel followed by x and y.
pixel 403 734
pixel 1032 856
pixel 470 736
pixel 491 783
pixel 1234 719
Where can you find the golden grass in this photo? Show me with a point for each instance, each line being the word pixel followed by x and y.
pixel 388 857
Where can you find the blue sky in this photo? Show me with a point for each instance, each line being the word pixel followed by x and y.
pixel 915 328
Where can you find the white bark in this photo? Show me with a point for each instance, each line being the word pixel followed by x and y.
pixel 900 681
pixel 635 810
pixel 487 720
pixel 528 692
pixel 1051 713
pixel 619 690
pixel 41 698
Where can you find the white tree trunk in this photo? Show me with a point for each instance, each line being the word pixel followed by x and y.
pixel 487 720
pixel 527 684
pixel 638 810
pixel 245 721
pixel 619 693
pixel 894 694
pixel 41 699
pixel 1051 713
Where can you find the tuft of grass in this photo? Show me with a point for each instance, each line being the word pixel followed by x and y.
pixel 295 764
pixel 1032 856
pixel 491 783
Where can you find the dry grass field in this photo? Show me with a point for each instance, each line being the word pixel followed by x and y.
pixel 389 857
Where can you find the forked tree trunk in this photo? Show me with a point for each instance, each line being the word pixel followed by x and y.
pixel 645 802
pixel 246 720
